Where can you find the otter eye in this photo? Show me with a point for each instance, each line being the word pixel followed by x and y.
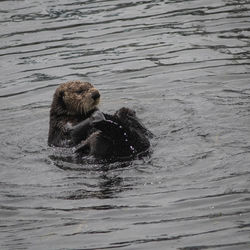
pixel 80 91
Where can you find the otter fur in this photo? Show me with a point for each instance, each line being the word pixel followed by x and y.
pixel 73 102
pixel 76 121
pixel 118 136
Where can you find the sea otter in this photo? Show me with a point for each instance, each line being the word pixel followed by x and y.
pixel 73 102
pixel 75 120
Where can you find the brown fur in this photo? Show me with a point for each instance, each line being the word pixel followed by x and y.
pixel 73 102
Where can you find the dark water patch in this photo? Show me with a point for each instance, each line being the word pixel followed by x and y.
pixel 26 91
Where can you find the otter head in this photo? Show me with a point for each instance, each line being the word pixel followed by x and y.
pixel 77 97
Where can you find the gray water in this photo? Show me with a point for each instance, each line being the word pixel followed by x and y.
pixel 184 67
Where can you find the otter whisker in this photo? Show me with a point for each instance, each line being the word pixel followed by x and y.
pixel 79 108
pixel 86 109
pixel 82 108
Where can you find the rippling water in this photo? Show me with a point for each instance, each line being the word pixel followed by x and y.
pixel 184 67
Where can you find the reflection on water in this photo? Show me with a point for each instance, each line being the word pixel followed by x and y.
pixel 184 67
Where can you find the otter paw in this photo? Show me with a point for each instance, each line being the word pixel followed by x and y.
pixel 67 127
pixel 97 117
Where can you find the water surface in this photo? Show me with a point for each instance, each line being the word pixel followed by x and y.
pixel 184 67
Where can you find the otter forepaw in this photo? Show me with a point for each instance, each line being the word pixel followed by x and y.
pixel 68 126
pixel 97 117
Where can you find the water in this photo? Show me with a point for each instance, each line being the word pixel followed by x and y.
pixel 184 67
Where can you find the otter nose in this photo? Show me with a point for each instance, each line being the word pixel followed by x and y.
pixel 95 95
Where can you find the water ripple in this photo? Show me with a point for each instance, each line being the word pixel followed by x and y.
pixel 184 67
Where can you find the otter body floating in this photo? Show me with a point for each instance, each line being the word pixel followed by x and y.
pixel 75 121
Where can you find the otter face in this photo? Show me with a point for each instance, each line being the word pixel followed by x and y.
pixel 79 97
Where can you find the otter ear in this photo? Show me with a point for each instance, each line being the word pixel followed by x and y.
pixel 60 94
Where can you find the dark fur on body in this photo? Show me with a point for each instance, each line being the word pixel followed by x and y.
pixel 111 136
pixel 118 136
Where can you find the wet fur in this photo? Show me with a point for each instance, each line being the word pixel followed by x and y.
pixel 111 143
pixel 73 102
